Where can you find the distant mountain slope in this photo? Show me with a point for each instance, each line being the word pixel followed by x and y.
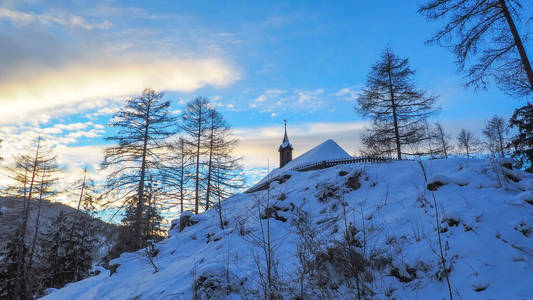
pixel 371 226
pixel 11 210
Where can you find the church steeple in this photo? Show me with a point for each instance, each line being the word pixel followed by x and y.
pixel 285 149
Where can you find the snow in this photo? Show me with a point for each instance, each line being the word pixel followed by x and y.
pixel 328 150
pixel 485 219
pixel 286 144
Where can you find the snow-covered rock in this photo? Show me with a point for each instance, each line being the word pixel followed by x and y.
pixel 485 220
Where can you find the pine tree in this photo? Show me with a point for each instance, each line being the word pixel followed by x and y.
pixel 522 142
pixel 143 125
pixel 13 253
pixel 397 108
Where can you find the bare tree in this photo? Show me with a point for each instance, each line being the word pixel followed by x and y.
pixel 143 126
pixel 495 133
pixel 33 176
pixel 442 140
pixel 467 142
pixel 195 125
pixel 178 172
pixel 223 173
pixel 484 30
pixel 398 109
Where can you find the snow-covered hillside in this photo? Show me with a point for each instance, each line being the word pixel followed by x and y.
pixel 384 211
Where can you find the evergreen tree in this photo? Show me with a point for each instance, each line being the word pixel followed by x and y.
pixel 522 142
pixel 13 253
pixel 397 108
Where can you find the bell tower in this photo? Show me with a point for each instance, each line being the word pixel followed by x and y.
pixel 285 149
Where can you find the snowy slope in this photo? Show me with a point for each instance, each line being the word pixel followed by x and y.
pixel 486 220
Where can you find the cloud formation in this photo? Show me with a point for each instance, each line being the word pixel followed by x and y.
pixel 85 85
pixel 25 18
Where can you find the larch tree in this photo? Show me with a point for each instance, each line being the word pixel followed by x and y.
pixel 142 129
pixel 467 142
pixel 522 142
pixel 442 140
pixel 397 108
pixel 495 133
pixel 33 177
pixel 195 125
pixel 222 169
pixel 484 37
pixel 178 173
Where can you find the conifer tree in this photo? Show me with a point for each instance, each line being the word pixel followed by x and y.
pixel 397 108
pixel 522 142
pixel 143 126
pixel 33 176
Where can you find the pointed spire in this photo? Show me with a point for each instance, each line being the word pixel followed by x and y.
pixel 285 137
pixel 285 143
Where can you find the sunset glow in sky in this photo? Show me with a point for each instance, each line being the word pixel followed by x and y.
pixel 67 66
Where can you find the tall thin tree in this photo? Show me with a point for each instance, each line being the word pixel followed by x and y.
pixel 195 125
pixel 397 108
pixel 142 128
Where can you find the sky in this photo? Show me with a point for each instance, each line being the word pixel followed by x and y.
pixel 67 66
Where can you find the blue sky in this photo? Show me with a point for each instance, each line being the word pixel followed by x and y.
pixel 68 65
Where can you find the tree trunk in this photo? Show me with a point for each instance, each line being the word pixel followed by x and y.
pixel 208 188
pixel 197 177
pixel 518 42
pixel 182 142
pixel 140 195
pixel 20 263
pixel 395 117
pixel 37 223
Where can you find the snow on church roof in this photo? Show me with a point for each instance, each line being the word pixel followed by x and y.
pixel 328 150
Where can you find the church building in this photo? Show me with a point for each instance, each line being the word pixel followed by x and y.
pixel 285 150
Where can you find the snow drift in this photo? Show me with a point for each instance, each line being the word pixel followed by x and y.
pixel 386 212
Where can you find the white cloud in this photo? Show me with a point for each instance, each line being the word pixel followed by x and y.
pixel 24 18
pixel 84 85
pixel 348 93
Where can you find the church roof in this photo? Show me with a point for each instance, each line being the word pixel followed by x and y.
pixel 285 142
pixel 328 150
